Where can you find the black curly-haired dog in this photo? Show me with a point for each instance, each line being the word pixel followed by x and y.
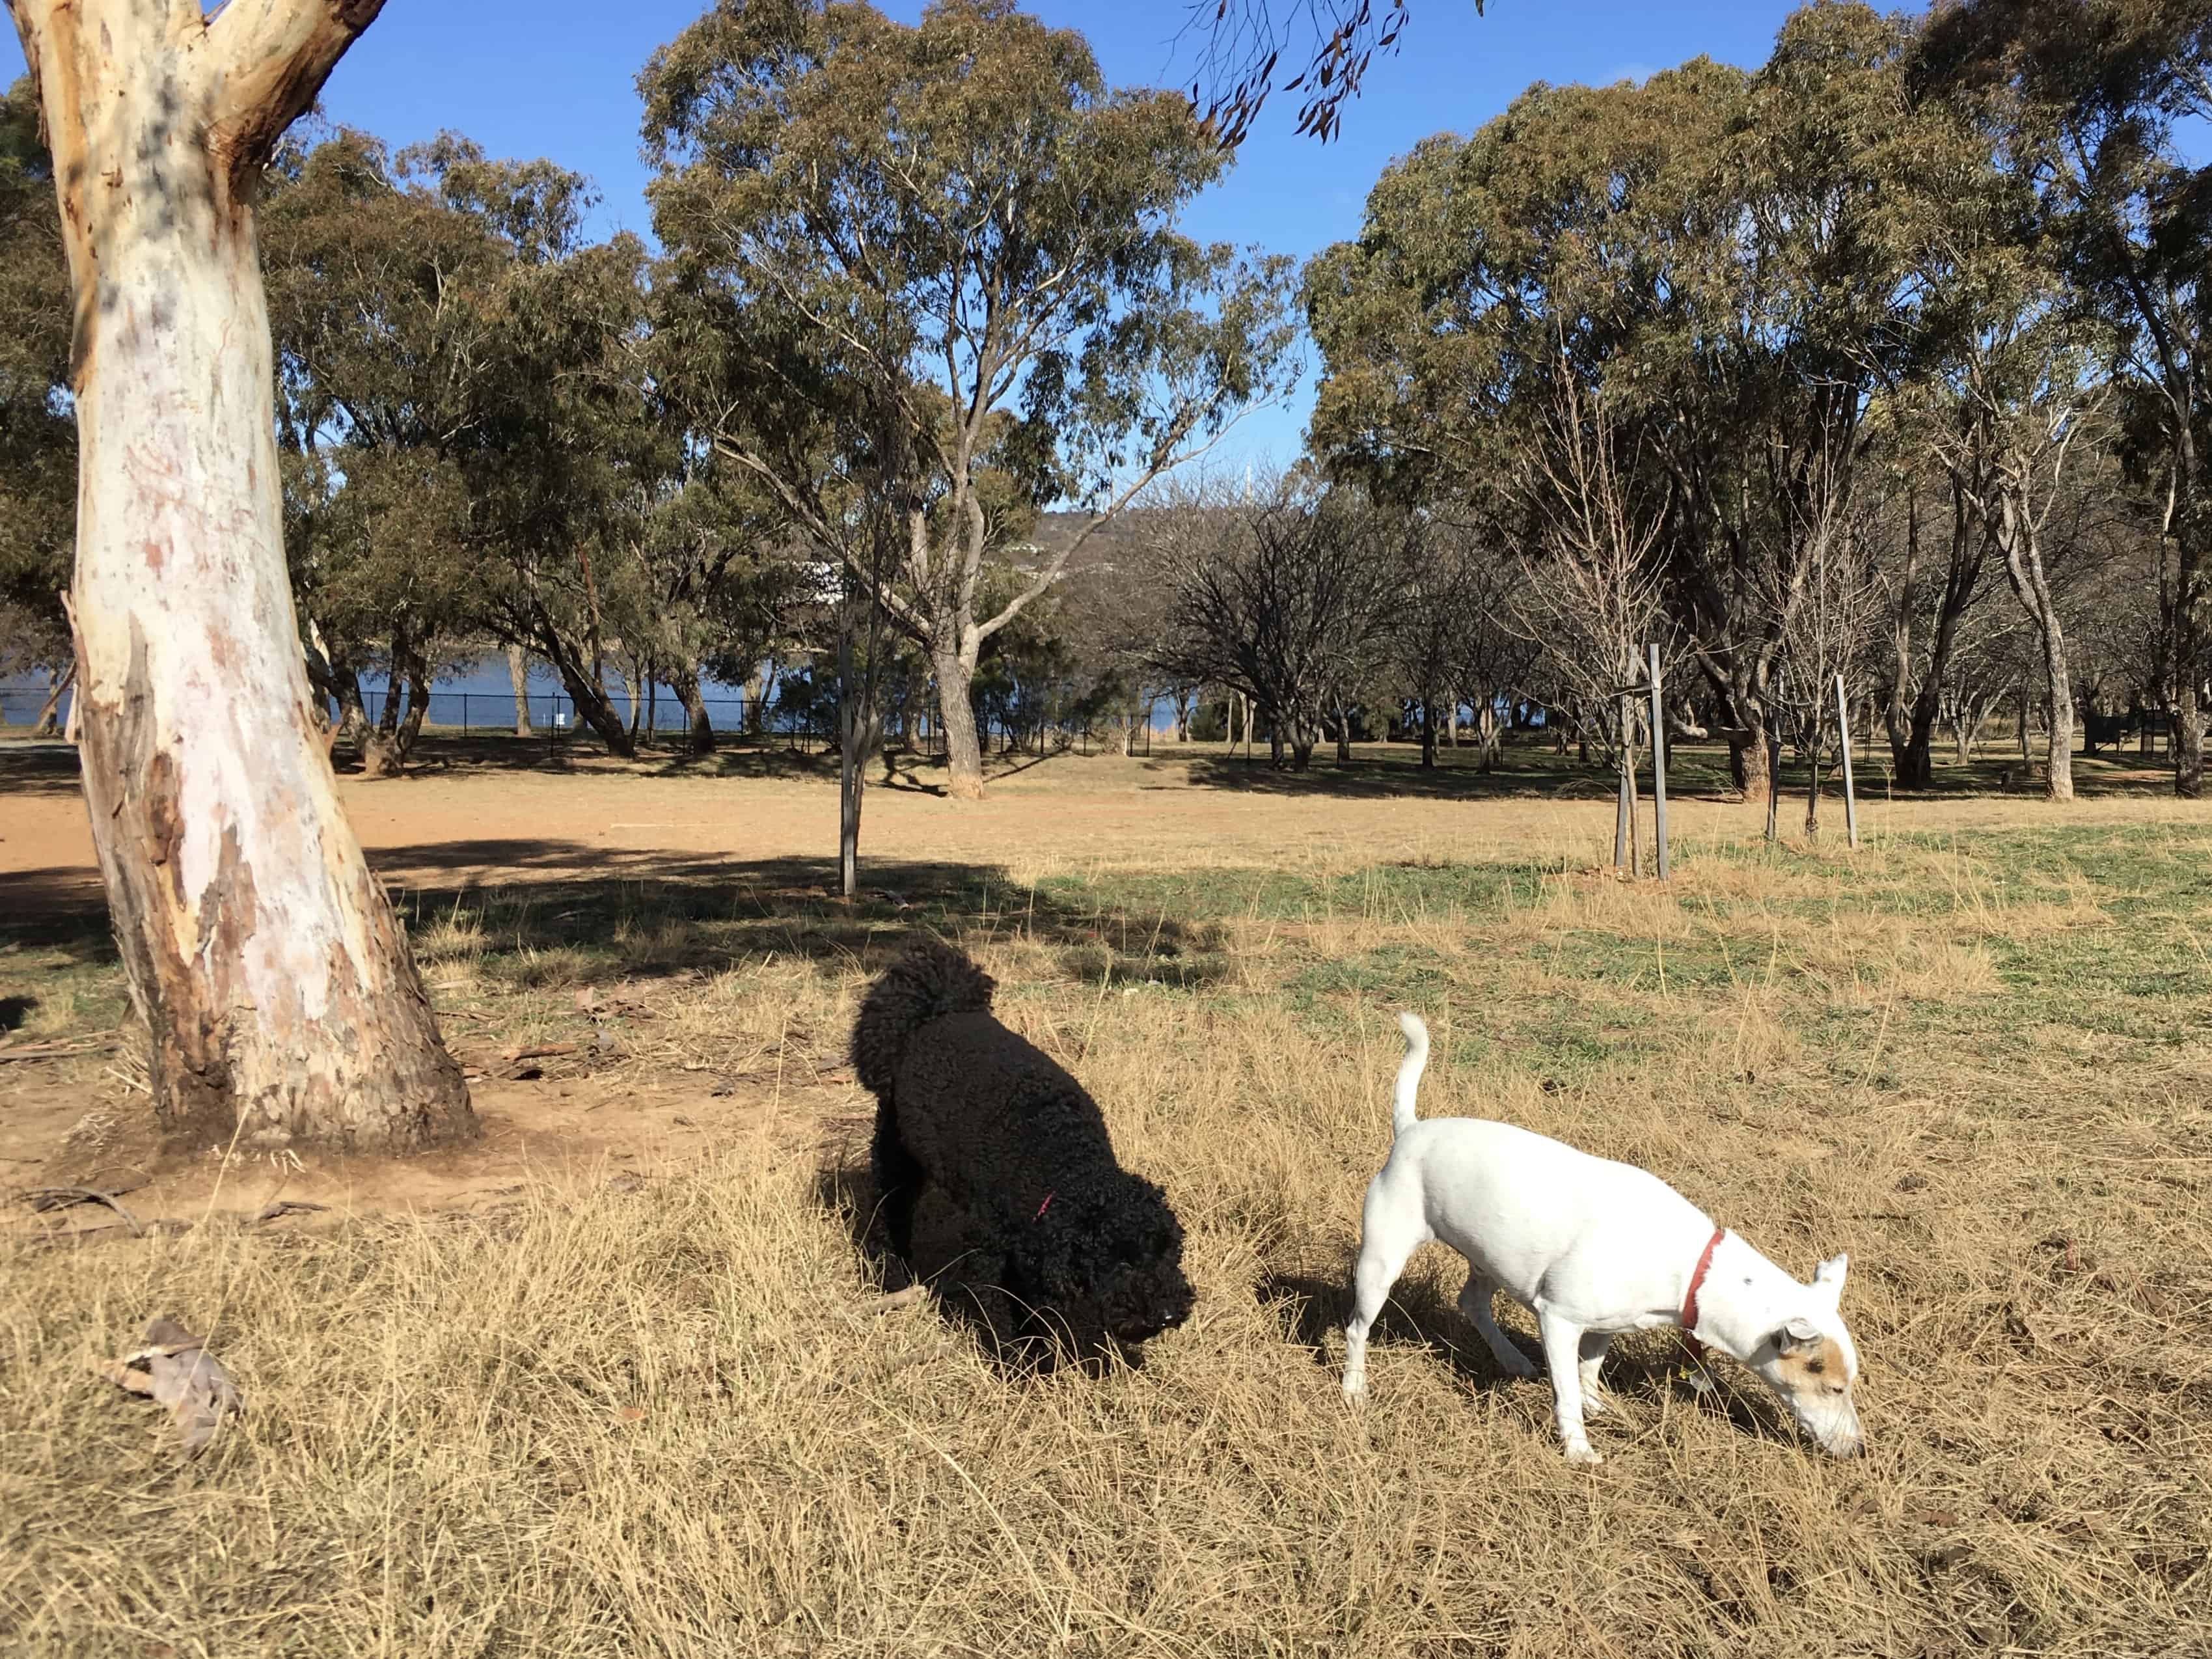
pixel 995 1178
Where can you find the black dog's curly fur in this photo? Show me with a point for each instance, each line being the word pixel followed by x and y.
pixel 995 1178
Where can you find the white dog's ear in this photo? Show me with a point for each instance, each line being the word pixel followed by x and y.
pixel 1797 1334
pixel 1830 1274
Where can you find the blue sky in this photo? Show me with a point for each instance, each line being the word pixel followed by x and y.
pixel 557 78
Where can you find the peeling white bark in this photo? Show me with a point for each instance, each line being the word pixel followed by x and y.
pixel 262 955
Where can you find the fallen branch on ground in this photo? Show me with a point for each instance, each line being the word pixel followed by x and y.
pixel 55 1197
pixel 64 1050
pixel 283 1206
pixel 43 1198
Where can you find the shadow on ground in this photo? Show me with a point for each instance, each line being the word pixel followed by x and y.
pixel 1312 1311
pixel 548 911
pixel 38 768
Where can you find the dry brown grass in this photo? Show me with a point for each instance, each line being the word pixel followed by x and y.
pixel 672 1420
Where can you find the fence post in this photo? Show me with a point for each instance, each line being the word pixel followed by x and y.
pixel 1658 762
pixel 1843 743
pixel 1774 757
pixel 465 714
pixel 1620 847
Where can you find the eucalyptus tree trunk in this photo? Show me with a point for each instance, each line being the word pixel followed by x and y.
pixel 1489 743
pixel 418 702
pixel 2021 545
pixel 518 676
pixel 859 729
pixel 964 754
pixel 49 721
pixel 2188 741
pixel 699 727
pixel 383 754
pixel 275 985
pixel 2185 623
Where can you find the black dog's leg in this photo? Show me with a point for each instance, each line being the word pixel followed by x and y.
pixel 898 1182
pixel 962 1260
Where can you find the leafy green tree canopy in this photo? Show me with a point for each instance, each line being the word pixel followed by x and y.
pixel 939 265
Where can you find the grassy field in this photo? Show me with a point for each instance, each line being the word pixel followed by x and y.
pixel 671 1415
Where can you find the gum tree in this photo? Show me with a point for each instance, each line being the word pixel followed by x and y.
pixel 268 967
pixel 953 242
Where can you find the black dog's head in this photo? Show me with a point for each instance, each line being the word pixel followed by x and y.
pixel 1100 1266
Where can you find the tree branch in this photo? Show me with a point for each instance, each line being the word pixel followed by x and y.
pixel 268 59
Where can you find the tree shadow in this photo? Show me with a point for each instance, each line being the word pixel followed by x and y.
pixel 28 767
pixel 1379 771
pixel 545 912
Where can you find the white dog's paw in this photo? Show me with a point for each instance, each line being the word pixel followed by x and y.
pixel 1355 1389
pixel 1597 1404
pixel 1578 1451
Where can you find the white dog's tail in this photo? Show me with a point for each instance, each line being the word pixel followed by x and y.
pixel 1409 1071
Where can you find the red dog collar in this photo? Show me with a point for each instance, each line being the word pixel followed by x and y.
pixel 1690 1296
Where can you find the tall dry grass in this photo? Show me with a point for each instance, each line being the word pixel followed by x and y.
pixel 673 1419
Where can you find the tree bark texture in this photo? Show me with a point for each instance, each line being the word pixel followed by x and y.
pixel 280 1000
pixel 699 728
pixel 963 753
pixel 518 676
pixel 2019 541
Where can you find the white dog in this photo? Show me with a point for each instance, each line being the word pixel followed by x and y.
pixel 1592 1249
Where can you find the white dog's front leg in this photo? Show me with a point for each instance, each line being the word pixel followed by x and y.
pixel 1563 1358
pixel 1593 1345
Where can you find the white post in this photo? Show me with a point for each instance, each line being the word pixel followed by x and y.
pixel 1843 735
pixel 1658 762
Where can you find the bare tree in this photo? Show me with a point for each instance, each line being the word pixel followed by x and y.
pixel 1450 642
pixel 1823 603
pixel 264 959
pixel 1592 594
pixel 2025 397
pixel 1285 600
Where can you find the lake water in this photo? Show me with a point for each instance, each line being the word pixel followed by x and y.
pixel 481 698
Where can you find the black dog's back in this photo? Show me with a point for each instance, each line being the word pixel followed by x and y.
pixel 928 982
pixel 985 1111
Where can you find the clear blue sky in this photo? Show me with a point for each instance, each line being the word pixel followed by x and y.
pixel 557 78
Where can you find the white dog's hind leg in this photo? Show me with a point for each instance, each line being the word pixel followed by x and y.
pixel 1562 1359
pixel 1593 1346
pixel 1476 1298
pixel 1383 1252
